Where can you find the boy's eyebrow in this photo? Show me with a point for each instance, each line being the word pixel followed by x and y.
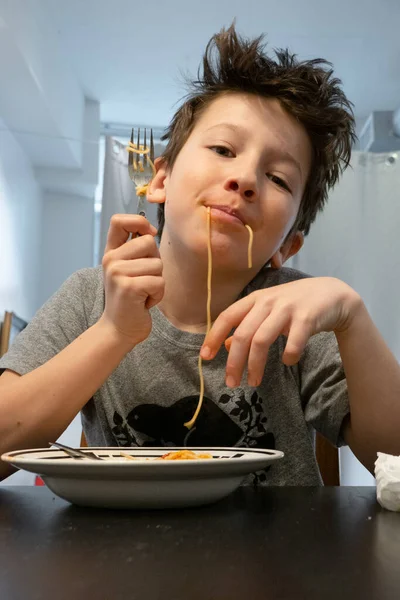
pixel 282 154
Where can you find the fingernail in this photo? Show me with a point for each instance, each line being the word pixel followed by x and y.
pixel 206 353
pixel 230 381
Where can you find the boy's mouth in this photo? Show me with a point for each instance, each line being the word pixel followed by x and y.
pixel 226 214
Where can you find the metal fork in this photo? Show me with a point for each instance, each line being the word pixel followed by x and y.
pixel 141 166
pixel 75 453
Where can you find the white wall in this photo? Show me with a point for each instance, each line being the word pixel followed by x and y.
pixel 67 241
pixel 20 238
pixel 20 229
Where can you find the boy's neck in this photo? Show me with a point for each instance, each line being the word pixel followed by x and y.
pixel 185 298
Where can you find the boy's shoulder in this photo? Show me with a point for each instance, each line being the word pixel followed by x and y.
pixel 91 275
pixel 269 277
pixel 89 280
pixel 81 291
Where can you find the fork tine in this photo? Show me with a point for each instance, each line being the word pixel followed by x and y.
pixel 139 168
pixel 137 165
pixel 151 146
pixel 144 145
pixel 130 154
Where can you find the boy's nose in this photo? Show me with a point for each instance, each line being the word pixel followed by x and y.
pixel 245 188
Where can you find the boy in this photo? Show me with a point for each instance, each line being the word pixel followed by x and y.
pixel 259 143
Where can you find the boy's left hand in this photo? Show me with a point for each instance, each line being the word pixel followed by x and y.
pixel 298 310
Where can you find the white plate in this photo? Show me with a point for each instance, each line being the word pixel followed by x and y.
pixel 143 483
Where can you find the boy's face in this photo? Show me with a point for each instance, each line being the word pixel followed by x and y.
pixel 245 155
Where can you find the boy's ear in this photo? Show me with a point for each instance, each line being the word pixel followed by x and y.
pixel 156 191
pixel 289 248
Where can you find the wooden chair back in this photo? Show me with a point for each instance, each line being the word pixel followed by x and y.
pixel 328 460
pixel 10 327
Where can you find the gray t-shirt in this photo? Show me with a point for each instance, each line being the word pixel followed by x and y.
pixel 155 389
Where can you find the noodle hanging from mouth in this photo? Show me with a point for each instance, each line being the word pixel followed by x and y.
pixel 192 421
pixel 250 248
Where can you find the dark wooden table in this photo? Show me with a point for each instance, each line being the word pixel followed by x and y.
pixel 277 543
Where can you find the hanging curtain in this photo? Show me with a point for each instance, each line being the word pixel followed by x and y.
pixel 357 239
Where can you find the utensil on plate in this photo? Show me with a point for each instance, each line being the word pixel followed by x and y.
pixel 74 453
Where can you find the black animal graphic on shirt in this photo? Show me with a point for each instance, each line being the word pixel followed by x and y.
pixel 241 423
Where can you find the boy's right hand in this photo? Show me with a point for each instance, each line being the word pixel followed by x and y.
pixel 133 279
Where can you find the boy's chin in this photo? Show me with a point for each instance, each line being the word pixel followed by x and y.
pixel 229 252
pixel 229 248
pixel 228 257
pixel 229 267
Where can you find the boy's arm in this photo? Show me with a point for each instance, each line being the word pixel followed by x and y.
pixel 37 407
pixel 298 310
pixel 373 380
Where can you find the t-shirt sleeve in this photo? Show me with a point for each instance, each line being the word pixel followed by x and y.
pixel 60 321
pixel 324 387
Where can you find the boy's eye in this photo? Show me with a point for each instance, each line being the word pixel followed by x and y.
pixel 279 181
pixel 222 151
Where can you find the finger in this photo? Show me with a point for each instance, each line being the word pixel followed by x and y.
pixel 223 325
pixel 299 334
pixel 228 343
pixel 136 267
pixel 267 333
pixel 157 294
pixel 121 226
pixel 241 343
pixel 140 247
pixel 146 289
pixel 155 298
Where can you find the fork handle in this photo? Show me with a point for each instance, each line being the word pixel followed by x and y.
pixel 142 214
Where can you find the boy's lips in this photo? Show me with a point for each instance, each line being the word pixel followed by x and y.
pixel 227 214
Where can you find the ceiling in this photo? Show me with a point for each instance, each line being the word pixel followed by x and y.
pixel 130 55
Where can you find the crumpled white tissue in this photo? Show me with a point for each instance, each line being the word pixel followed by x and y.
pixel 387 474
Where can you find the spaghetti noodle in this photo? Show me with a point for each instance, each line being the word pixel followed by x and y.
pixel 175 455
pixel 250 248
pixel 192 421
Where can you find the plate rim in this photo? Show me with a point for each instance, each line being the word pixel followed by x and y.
pixel 20 456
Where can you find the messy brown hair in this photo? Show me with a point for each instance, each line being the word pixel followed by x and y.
pixel 307 90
